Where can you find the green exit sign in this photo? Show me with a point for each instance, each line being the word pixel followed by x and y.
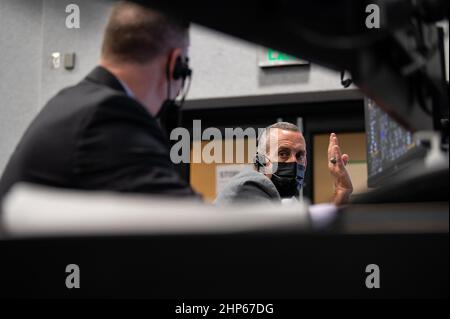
pixel 273 58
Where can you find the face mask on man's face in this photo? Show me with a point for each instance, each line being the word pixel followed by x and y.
pixel 288 178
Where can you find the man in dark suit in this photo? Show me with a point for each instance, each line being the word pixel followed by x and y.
pixel 102 134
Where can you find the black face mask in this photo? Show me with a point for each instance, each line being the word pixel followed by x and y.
pixel 288 178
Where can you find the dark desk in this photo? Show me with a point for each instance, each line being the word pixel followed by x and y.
pixel 409 243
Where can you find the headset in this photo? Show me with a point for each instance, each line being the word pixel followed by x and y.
pixel 259 161
pixel 170 113
pixel 181 69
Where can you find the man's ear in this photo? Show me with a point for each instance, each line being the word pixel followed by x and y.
pixel 174 55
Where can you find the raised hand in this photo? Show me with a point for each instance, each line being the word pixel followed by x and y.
pixel 336 165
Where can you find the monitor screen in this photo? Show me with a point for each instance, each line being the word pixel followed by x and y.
pixel 390 147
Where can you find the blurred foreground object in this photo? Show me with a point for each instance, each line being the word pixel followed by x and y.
pixel 31 210
pixel 399 64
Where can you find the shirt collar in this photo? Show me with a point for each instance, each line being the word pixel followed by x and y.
pixel 126 88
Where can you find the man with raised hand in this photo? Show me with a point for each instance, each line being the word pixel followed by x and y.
pixel 279 169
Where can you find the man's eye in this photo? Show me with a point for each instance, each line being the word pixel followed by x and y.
pixel 300 157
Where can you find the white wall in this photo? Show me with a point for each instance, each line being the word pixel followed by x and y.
pixel 20 69
pixel 223 66
pixel 228 67
pixel 85 42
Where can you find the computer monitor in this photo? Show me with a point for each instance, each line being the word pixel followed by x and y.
pixel 390 147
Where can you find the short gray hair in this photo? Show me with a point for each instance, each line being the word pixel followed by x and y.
pixel 263 137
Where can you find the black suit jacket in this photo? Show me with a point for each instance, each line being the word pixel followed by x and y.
pixel 92 136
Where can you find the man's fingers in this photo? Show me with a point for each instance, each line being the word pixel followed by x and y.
pixel 331 136
pixel 334 152
pixel 335 139
pixel 337 155
pixel 331 144
pixel 345 159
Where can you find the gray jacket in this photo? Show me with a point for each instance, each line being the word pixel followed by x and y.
pixel 249 186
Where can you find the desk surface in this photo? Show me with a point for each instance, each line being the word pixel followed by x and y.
pixel 410 247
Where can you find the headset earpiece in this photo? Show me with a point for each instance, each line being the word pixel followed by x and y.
pixel 181 69
pixel 170 113
pixel 259 161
